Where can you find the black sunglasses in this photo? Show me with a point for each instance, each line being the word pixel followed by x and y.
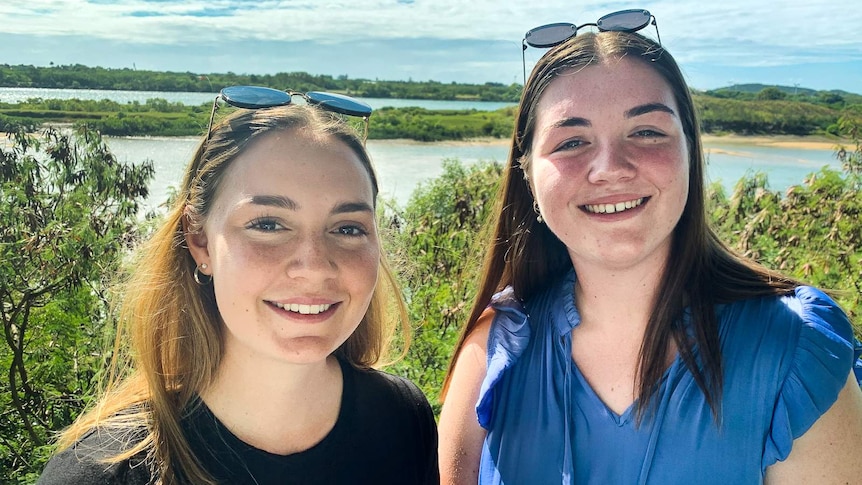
pixel 259 97
pixel 549 35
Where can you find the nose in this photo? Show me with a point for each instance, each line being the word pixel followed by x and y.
pixel 310 258
pixel 611 165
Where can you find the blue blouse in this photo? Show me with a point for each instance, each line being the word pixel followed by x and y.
pixel 785 360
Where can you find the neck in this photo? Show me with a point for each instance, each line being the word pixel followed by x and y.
pixel 617 299
pixel 280 408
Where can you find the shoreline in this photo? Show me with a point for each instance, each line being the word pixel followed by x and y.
pixel 806 142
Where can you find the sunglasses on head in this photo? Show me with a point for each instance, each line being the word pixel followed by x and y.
pixel 550 35
pixel 259 97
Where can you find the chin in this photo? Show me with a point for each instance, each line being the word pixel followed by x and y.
pixel 307 350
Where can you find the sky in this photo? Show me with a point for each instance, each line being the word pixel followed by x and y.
pixel 806 43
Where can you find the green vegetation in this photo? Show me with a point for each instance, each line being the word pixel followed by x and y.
pixel 428 125
pixel 752 109
pixel 68 213
pixel 83 77
pixel 157 117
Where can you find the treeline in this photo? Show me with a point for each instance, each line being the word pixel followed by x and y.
pixel 778 117
pixel 82 77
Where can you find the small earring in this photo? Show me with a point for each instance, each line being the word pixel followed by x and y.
pixel 201 278
pixel 538 213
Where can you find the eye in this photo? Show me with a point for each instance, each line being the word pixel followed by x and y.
pixel 351 230
pixel 265 224
pixel 647 133
pixel 571 144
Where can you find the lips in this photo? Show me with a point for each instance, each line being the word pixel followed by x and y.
pixel 615 207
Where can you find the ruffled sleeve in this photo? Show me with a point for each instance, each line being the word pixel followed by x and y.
pixel 820 364
pixel 507 339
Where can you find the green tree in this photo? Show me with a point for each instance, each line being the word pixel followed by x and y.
pixel 434 236
pixel 771 93
pixel 68 211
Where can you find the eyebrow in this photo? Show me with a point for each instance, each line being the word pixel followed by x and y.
pixel 569 122
pixel 648 108
pixel 351 207
pixel 631 113
pixel 290 204
pixel 275 201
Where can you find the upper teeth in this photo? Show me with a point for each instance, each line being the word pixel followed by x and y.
pixel 303 309
pixel 611 208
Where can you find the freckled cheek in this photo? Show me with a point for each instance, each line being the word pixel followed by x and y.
pixel 364 263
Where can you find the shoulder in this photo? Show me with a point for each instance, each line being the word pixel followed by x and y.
pixel 806 316
pixel 389 388
pixel 89 461
pixel 396 414
pixel 798 348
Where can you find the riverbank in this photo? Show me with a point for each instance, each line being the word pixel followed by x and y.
pixel 808 142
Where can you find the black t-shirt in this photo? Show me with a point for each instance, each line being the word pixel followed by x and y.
pixel 385 434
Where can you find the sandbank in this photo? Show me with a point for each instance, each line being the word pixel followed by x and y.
pixel 808 142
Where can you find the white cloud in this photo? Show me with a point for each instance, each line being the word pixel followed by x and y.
pixel 779 23
pixel 729 32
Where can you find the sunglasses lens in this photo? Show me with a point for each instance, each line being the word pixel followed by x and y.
pixel 549 35
pixel 254 97
pixel 624 21
pixel 339 103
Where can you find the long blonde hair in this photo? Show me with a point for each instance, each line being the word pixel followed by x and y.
pixel 169 337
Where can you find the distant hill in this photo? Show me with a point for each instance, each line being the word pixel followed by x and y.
pixel 754 88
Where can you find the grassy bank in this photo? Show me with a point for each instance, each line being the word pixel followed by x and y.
pixel 157 117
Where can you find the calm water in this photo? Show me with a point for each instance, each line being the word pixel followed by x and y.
pixel 17 95
pixel 403 165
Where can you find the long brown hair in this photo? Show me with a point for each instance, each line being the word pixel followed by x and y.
pixel 169 338
pixel 524 254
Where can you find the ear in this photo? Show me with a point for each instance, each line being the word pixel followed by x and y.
pixel 196 240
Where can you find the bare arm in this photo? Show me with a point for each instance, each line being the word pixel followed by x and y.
pixel 461 437
pixel 828 453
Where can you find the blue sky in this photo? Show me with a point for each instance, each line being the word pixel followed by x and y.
pixel 809 43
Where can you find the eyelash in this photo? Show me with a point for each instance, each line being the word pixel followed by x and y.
pixel 570 144
pixel 354 231
pixel 648 134
pixel 258 224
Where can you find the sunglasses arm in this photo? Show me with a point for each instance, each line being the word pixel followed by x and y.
pixel 523 59
pixel 658 36
pixel 212 117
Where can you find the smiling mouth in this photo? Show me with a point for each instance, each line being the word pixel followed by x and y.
pixel 303 309
pixel 613 208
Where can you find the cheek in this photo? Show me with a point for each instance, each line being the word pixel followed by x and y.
pixel 550 182
pixel 362 268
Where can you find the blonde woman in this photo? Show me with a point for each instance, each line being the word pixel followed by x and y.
pixel 255 315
